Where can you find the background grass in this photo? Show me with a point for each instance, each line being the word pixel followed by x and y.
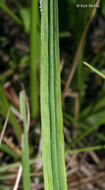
pixel 83 98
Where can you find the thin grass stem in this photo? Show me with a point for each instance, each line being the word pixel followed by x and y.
pixel 25 145
pixel 95 70
pixel 10 13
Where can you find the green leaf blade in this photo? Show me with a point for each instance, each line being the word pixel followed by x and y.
pixel 25 145
pixel 51 113
pixel 95 70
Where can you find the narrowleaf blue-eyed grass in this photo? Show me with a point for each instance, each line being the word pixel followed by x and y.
pixel 51 112
pixel 20 43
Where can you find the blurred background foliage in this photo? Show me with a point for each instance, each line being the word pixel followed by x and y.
pixel 84 99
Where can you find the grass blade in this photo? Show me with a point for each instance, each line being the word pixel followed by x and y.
pixel 10 13
pixel 34 53
pixel 25 145
pixel 3 187
pixel 83 126
pixel 9 151
pixel 86 149
pixel 95 70
pixel 17 164
pixel 51 113
pixel 88 131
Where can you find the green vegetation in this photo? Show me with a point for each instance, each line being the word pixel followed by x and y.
pixel 51 114
pixel 25 146
pixel 51 82
pixel 34 53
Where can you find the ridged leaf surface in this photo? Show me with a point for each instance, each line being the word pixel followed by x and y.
pixel 51 112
